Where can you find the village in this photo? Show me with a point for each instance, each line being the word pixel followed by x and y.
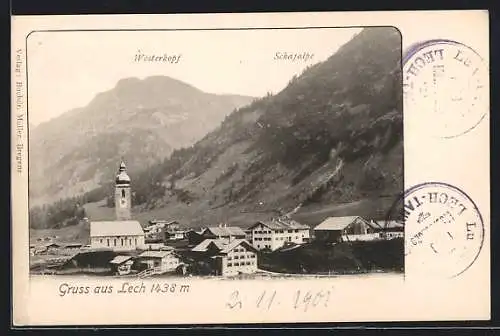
pixel 123 247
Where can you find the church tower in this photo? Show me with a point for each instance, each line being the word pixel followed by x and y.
pixel 122 194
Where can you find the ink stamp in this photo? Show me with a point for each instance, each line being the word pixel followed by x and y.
pixel 444 81
pixel 444 230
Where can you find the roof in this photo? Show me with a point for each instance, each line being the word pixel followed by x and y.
pixel 122 176
pixel 153 227
pixel 49 244
pixel 166 248
pixel 73 245
pixel 199 232
pixel 292 224
pixel 281 224
pixel 155 254
pixel 237 242
pixel 44 246
pixel 337 223
pixel 225 231
pixel 223 246
pixel 203 246
pixel 119 259
pixel 116 228
pixel 163 222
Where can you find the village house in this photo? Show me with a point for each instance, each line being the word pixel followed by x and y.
pixel 177 234
pixel 121 264
pixel 173 231
pixel 229 257
pixel 69 249
pixel 276 233
pixel 152 232
pixel 160 261
pixel 157 229
pixel 350 228
pixel 73 246
pixel 223 232
pixel 162 222
pixel 123 233
pixel 389 229
pixel 47 248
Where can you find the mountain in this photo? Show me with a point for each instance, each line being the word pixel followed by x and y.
pixel 331 140
pixel 330 143
pixel 139 120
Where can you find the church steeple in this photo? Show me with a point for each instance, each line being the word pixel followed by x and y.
pixel 122 193
pixel 122 176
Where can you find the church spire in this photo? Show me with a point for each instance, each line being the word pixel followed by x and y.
pixel 122 177
pixel 123 167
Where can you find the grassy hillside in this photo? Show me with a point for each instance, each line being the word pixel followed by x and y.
pixel 78 233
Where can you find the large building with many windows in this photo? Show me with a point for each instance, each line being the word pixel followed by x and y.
pixel 229 257
pixel 277 233
pixel 122 234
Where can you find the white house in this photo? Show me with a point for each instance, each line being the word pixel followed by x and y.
pixel 158 228
pixel 175 234
pixel 122 264
pixel 161 261
pixel 153 229
pixel 117 235
pixel 238 256
pixel 389 229
pixel 229 257
pixel 276 233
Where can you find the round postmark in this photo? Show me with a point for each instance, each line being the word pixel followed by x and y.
pixel 445 87
pixel 444 229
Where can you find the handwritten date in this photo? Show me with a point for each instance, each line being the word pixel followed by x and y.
pixel 269 299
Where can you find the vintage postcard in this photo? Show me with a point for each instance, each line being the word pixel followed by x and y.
pixel 250 168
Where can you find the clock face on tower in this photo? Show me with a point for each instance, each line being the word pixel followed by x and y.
pixel 123 202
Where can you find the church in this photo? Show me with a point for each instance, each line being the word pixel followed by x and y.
pixel 122 234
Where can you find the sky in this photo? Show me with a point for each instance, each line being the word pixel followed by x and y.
pixel 67 69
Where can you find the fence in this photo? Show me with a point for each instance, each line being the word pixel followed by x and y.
pixel 149 272
pixel 362 237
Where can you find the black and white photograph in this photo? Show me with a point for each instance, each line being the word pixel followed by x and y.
pixel 175 157
pixel 250 168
